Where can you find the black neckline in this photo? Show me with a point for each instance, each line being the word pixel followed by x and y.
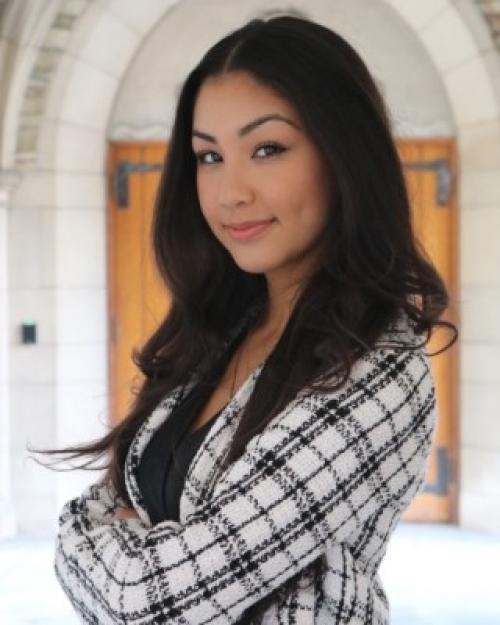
pixel 201 391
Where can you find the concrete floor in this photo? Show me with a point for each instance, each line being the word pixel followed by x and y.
pixel 434 575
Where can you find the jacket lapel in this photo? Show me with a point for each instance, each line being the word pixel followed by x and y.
pixel 214 444
pixel 203 468
pixel 141 439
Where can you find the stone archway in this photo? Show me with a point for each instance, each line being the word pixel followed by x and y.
pixel 64 170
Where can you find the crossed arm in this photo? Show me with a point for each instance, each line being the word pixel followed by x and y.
pixel 312 477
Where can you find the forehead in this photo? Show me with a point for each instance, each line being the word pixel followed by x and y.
pixel 237 97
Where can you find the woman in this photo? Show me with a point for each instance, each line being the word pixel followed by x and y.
pixel 288 407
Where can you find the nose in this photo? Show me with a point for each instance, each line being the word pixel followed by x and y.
pixel 234 186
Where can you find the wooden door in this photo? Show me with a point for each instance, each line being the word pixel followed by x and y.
pixel 137 300
pixel 431 174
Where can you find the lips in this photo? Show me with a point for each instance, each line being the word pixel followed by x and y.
pixel 247 224
pixel 249 229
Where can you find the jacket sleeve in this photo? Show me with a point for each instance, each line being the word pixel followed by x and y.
pixel 311 479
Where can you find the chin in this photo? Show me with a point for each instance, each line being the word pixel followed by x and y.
pixel 253 267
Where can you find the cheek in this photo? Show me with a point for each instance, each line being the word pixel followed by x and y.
pixel 200 190
pixel 208 203
pixel 206 206
pixel 305 196
pixel 212 222
pixel 318 199
pixel 307 208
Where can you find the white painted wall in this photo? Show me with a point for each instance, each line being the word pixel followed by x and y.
pixel 440 73
pixel 7 510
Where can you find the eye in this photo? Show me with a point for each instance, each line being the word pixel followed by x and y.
pixel 201 155
pixel 275 148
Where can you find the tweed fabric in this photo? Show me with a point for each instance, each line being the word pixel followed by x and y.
pixel 331 474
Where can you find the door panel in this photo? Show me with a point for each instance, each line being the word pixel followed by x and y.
pixel 136 298
pixel 430 172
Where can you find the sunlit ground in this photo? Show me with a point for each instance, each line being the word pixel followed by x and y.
pixel 433 574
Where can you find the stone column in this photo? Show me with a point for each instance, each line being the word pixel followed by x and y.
pixel 8 181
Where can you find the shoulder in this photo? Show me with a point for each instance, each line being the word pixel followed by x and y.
pixel 400 352
pixel 394 377
pixel 400 348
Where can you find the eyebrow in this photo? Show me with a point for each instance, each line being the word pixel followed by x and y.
pixel 249 127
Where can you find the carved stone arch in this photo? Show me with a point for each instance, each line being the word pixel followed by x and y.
pixel 58 21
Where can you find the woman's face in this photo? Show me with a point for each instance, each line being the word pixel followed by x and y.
pixel 267 171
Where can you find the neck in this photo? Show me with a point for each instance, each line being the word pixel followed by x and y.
pixel 284 289
pixel 278 309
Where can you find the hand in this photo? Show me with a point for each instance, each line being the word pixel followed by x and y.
pixel 125 513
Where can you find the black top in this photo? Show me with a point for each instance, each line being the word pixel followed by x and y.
pixel 170 451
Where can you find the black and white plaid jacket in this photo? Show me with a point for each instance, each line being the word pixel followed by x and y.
pixel 331 474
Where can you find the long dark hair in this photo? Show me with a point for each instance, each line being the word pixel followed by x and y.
pixel 372 269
